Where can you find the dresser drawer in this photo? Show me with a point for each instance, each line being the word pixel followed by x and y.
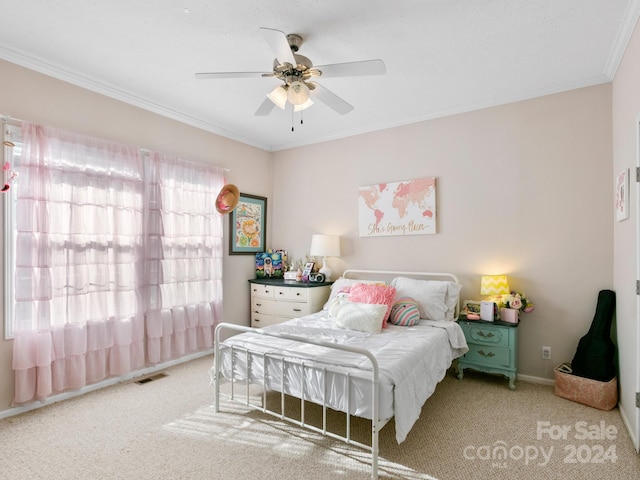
pixel 275 307
pixel 290 293
pixel 266 291
pixel 259 320
pixel 486 335
pixel 488 355
pixel 274 301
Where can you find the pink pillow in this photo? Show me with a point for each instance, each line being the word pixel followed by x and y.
pixel 374 293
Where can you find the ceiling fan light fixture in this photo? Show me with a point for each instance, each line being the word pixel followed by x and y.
pixel 298 93
pixel 304 106
pixel 278 96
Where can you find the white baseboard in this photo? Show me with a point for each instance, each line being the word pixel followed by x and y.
pixel 630 428
pixel 538 380
pixel 105 383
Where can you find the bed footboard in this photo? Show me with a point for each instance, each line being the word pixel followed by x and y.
pixel 306 368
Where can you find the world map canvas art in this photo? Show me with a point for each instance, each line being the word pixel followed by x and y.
pixel 398 208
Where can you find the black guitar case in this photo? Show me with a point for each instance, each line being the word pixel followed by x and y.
pixel 594 357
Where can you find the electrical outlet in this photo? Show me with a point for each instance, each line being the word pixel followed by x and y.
pixel 546 353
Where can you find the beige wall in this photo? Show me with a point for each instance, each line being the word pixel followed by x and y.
pixel 626 115
pixel 523 189
pixel 27 95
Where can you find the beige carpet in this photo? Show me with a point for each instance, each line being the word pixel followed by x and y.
pixel 167 429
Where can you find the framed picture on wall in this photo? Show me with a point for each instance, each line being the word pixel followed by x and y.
pixel 248 226
pixel 622 195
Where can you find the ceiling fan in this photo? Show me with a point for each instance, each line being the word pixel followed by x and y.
pixel 296 71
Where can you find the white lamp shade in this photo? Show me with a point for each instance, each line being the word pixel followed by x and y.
pixel 325 246
pixel 298 93
pixel 278 96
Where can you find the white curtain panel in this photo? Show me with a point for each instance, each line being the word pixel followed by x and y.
pixel 88 268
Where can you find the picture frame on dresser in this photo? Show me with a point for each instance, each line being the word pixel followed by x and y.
pixel 248 225
pixel 308 268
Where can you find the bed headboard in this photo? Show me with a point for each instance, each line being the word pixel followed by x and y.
pixel 388 275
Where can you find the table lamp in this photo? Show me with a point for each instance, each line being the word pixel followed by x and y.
pixel 492 286
pixel 325 246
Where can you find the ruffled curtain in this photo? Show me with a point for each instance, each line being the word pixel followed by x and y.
pixel 86 265
pixel 183 256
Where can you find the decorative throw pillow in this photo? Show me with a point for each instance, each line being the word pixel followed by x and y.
pixel 342 285
pixel 375 294
pixel 363 317
pixel 404 312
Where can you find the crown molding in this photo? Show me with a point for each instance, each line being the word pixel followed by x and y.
pixel 622 38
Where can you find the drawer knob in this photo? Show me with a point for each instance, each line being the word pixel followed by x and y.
pixel 297 310
pixel 280 293
pixel 258 304
pixel 485 335
pixel 490 354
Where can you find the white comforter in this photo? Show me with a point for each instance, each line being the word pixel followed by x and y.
pixel 412 360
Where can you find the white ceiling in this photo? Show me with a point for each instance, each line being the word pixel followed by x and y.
pixel 442 56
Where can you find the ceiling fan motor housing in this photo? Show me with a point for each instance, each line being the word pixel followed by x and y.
pixel 295 42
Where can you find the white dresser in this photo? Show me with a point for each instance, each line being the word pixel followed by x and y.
pixel 275 300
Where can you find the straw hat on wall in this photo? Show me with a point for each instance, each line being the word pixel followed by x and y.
pixel 227 199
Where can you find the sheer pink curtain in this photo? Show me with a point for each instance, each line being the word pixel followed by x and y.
pixel 102 237
pixel 78 316
pixel 183 256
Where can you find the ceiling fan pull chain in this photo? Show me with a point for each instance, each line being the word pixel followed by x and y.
pixel 292 112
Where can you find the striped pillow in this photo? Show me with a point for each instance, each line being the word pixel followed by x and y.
pixel 404 312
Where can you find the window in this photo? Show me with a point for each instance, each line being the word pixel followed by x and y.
pixel 115 259
pixel 12 151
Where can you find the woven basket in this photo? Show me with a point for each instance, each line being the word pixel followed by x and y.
pixel 600 395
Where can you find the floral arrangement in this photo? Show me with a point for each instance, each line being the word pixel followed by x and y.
pixel 516 301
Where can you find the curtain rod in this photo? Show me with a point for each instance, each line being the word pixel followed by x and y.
pixel 16 123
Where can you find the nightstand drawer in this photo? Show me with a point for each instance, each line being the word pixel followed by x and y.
pixel 488 355
pixel 493 348
pixel 291 293
pixel 486 335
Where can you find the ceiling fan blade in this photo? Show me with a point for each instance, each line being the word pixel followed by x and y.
pixel 265 108
pixel 352 69
pixel 330 99
pixel 279 45
pixel 219 75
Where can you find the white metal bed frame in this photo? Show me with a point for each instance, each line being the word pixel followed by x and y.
pixel 369 375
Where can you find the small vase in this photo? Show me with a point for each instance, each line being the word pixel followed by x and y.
pixel 509 315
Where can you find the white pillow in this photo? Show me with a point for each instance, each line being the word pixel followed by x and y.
pixel 364 317
pixel 344 283
pixel 436 299
pixel 452 299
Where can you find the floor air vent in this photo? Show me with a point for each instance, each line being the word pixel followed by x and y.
pixel 151 378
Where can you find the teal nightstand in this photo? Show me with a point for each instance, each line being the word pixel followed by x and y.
pixel 493 348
